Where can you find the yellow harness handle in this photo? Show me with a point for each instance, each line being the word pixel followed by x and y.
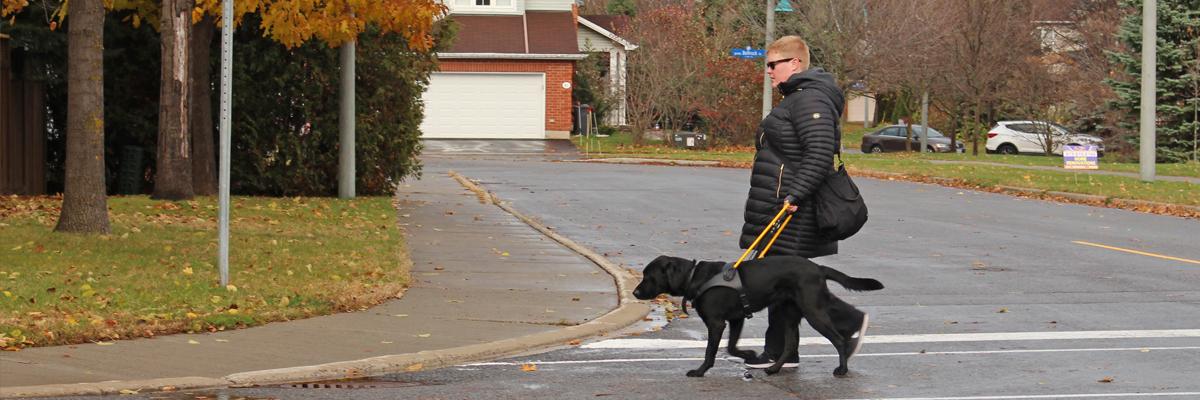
pixel 764 233
pixel 776 236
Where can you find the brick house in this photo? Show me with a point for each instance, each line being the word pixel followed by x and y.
pixel 508 74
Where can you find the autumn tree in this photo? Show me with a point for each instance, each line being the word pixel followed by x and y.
pixel 906 54
pixel 173 180
pixel 292 23
pixel 662 74
pixel 85 202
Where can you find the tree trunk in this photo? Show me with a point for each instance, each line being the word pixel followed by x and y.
pixel 954 124
pixel 173 181
pixel 204 159
pixel 85 202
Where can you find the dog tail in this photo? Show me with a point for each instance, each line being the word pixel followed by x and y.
pixel 849 282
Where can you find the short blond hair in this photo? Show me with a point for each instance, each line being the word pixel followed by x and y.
pixel 791 46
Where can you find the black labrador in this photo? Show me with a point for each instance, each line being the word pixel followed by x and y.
pixel 796 285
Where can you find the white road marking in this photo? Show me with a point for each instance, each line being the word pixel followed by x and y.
pixel 638 343
pixel 1040 396
pixel 916 353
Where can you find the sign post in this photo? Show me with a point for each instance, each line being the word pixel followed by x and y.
pixel 223 169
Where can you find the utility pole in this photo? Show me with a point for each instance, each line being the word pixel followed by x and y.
pixel 770 37
pixel 924 119
pixel 867 120
pixel 1146 150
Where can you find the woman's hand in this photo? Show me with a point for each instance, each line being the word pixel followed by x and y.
pixel 790 203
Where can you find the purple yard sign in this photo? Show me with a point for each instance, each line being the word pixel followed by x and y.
pixel 1080 157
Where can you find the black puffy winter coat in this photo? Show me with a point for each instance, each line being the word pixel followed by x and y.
pixel 795 149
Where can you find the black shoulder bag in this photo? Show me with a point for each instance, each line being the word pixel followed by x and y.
pixel 840 208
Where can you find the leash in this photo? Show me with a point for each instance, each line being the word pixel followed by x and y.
pixel 772 227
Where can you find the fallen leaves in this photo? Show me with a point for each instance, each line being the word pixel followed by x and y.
pixel 529 367
pixel 1107 379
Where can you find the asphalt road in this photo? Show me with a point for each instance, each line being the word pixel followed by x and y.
pixel 988 296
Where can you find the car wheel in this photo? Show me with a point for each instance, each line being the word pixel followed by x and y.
pixel 1007 149
pixel 876 149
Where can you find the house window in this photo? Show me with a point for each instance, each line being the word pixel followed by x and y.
pixel 484 3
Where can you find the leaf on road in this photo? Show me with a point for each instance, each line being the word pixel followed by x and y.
pixel 104 343
pixel 127 391
pixel 1107 379
pixel 190 341
pixel 1002 310
pixel 222 340
pixel 415 367
pixel 424 335
pixel 529 367
pixel 575 342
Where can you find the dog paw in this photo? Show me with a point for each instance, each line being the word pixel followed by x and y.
pixel 696 373
pixel 840 371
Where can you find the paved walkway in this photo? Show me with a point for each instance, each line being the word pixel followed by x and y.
pixel 485 284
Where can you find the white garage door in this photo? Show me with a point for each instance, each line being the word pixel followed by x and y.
pixel 485 106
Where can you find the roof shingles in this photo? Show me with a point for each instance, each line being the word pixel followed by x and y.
pixel 549 33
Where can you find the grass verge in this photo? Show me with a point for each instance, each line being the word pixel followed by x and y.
pixel 984 170
pixel 156 273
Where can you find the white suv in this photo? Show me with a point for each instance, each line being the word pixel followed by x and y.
pixel 1013 137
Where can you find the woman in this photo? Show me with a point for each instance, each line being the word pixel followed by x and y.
pixel 795 148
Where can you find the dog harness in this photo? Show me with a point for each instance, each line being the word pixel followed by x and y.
pixel 724 279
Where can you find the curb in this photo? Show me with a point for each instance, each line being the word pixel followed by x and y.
pixel 628 312
pixel 114 387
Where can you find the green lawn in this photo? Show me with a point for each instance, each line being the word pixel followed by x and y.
pixel 156 274
pixel 968 168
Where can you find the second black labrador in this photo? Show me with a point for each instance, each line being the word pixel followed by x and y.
pixel 795 284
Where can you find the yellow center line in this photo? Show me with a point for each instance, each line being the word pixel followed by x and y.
pixel 1137 252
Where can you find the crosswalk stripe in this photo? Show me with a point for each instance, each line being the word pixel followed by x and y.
pixel 642 343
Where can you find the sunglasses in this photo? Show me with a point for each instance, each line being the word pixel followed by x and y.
pixel 771 64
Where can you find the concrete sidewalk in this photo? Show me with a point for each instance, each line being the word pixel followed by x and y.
pixel 485 285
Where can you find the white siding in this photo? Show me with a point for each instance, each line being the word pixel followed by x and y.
pixel 548 5
pixel 596 41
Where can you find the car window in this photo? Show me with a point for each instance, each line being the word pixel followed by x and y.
pixel 1026 128
pixel 891 132
pixel 932 132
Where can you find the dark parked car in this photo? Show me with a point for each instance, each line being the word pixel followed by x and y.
pixel 892 138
